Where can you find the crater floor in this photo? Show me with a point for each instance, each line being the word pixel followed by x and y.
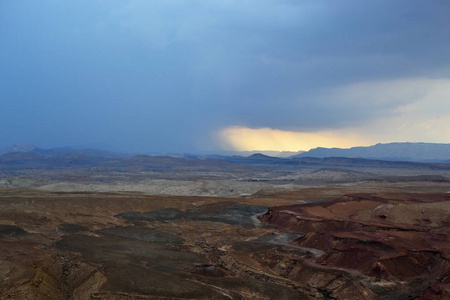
pixel 313 243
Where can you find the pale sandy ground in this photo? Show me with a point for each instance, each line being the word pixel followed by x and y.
pixel 218 188
pixel 230 185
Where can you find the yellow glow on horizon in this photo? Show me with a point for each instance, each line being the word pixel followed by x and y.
pixel 420 112
pixel 249 139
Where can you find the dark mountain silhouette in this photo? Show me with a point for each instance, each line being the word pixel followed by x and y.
pixel 422 152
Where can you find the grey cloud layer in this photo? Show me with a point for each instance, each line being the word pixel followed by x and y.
pixel 162 75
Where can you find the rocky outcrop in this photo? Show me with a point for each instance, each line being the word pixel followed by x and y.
pixel 393 247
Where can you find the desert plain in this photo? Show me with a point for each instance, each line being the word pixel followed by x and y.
pixel 214 228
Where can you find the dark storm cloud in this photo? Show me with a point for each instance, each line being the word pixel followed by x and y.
pixel 163 75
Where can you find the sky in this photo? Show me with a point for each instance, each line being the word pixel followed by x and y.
pixel 208 76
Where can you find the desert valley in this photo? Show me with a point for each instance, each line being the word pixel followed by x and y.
pixel 79 224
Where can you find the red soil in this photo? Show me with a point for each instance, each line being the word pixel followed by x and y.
pixel 393 244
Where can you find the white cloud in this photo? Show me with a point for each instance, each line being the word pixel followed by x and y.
pixel 416 109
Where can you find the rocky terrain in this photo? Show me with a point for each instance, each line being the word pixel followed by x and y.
pixel 68 170
pixel 398 239
pixel 315 243
pixel 96 226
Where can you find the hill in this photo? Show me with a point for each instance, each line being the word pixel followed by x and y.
pixel 391 151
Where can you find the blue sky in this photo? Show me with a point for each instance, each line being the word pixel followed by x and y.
pixel 193 76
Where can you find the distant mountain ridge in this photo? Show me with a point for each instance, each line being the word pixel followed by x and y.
pixel 25 157
pixel 61 151
pixel 401 152
pixel 18 148
pixel 425 152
